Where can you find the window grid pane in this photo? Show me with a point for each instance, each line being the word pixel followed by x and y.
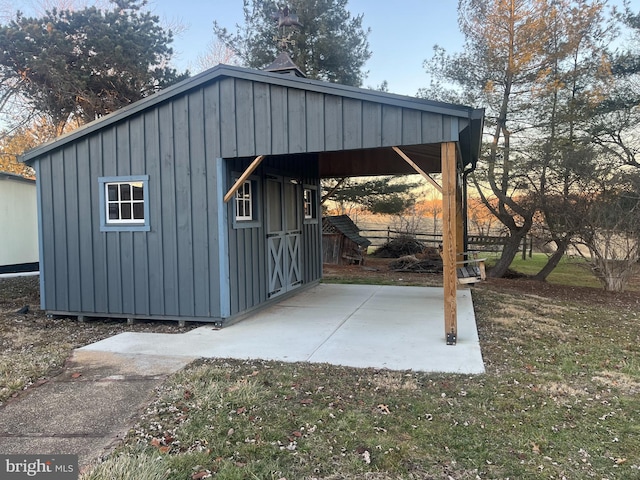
pixel 112 193
pixel 125 191
pixel 125 202
pixel 244 203
pixel 308 203
pixel 138 192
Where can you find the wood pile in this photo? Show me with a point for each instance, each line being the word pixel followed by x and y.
pixel 411 263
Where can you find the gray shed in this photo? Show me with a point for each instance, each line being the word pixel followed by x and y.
pixel 201 203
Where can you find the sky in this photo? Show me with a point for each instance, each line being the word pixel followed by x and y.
pixel 403 33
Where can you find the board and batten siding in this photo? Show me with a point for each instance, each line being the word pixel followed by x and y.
pixel 262 119
pixel 171 271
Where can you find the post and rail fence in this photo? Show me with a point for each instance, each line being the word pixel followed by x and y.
pixel 483 243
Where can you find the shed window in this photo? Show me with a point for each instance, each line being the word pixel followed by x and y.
pixel 123 203
pixel 244 202
pixel 308 204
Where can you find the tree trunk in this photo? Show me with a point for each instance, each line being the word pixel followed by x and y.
pixel 614 283
pixel 554 259
pixel 509 252
pixel 615 274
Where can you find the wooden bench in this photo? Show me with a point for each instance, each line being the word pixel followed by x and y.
pixel 472 270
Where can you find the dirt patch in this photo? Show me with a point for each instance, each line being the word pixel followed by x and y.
pixel 377 270
pixel 34 346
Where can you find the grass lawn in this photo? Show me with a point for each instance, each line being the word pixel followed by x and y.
pixel 560 399
pixel 571 271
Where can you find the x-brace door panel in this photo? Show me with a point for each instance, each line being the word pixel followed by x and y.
pixel 283 235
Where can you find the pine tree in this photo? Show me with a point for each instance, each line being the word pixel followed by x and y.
pixel 84 64
pixel 329 45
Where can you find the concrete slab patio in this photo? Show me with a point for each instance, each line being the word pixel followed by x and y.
pixel 399 328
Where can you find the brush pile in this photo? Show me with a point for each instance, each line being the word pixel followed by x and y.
pixel 399 247
pixel 427 261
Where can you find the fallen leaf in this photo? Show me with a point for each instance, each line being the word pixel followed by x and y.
pixel 156 442
pixel 297 434
pixel 76 375
pixel 200 475
pixel 241 410
pixel 620 461
pixel 306 401
pixel 164 449
pixel 535 448
pixel 187 394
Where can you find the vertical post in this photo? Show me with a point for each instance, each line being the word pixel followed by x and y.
pixel 449 239
pixel 524 247
pixel 530 246
pixel 459 219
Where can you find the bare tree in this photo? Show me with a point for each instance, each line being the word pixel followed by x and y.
pixel 611 235
pixel 216 53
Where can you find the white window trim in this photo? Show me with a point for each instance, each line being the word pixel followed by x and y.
pixel 123 225
pixel 244 197
pixel 308 203
pixel 256 203
pixel 120 202
pixel 315 207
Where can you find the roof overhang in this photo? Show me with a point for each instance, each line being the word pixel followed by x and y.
pixel 16 178
pixel 379 161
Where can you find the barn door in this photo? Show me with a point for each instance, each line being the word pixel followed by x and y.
pixel 283 235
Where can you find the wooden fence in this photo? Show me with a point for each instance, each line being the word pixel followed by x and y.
pixel 482 243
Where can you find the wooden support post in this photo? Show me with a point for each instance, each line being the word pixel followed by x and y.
pixel 236 186
pixel 450 239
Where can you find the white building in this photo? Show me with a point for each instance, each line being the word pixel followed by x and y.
pixel 18 224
